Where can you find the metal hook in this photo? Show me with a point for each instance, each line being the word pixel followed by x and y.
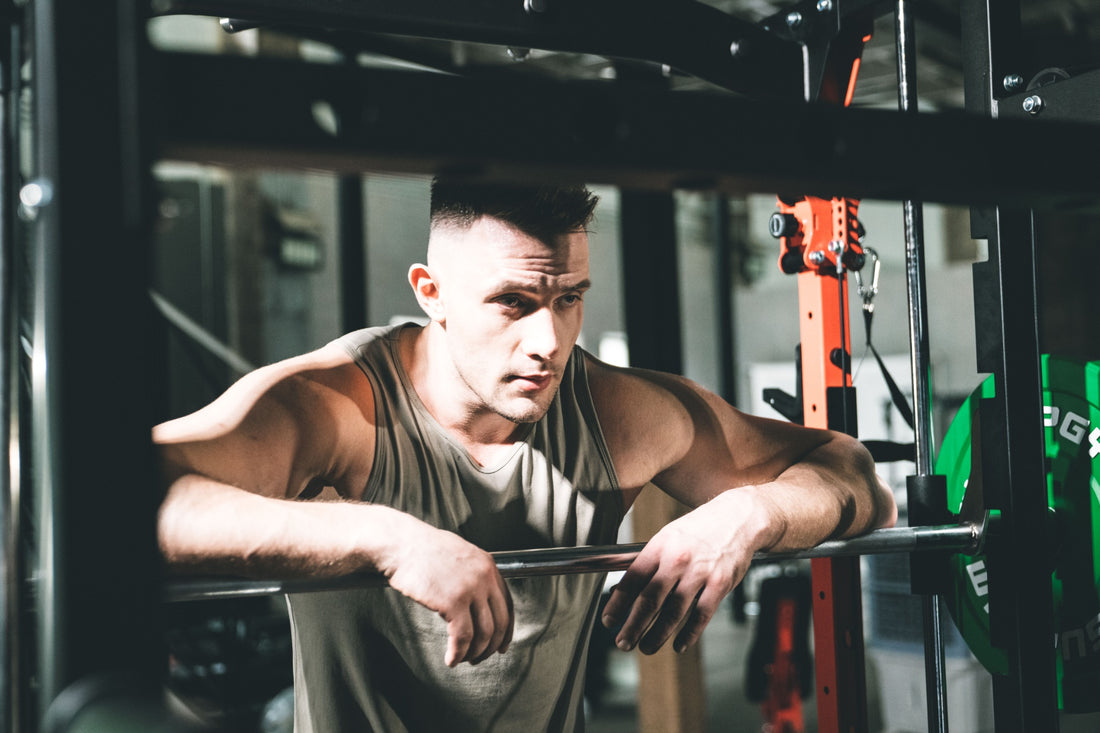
pixel 868 292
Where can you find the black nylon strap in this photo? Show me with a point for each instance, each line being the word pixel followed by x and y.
pixel 895 392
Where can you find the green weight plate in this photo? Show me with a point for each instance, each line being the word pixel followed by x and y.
pixel 1071 416
pixel 967 599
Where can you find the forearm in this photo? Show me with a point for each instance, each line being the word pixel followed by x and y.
pixel 207 526
pixel 686 569
pixel 831 492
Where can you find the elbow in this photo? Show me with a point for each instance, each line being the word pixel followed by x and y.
pixel 878 498
pixel 184 536
pixel 886 509
pixel 172 535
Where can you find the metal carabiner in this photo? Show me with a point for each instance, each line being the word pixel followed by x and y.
pixel 868 292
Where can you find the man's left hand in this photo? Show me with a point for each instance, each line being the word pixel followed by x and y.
pixel 681 576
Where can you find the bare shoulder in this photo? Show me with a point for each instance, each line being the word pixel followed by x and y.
pixel 686 439
pixel 306 419
pixel 645 424
pixel 327 374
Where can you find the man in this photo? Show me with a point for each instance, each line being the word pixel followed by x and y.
pixel 485 430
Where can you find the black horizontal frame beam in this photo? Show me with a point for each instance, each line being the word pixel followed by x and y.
pixel 263 112
pixel 687 35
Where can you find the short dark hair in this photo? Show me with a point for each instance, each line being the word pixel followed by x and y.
pixel 543 211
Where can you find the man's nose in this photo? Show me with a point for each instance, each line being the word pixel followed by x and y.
pixel 540 337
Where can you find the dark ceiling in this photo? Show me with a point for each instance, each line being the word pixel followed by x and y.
pixel 1057 33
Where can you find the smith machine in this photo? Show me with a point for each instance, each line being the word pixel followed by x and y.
pixel 88 106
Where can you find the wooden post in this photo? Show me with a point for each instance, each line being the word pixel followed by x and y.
pixel 671 696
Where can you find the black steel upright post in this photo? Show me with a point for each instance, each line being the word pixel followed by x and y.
pixel 1012 441
pixel 88 198
pixel 650 286
pixel 1014 477
pixel 352 236
pixel 723 296
pixel 353 253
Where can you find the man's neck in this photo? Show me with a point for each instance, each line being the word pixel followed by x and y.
pixel 484 434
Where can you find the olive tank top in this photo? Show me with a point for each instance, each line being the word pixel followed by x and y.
pixel 372 660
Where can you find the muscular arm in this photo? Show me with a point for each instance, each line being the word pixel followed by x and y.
pixel 237 473
pixel 754 484
pixel 231 468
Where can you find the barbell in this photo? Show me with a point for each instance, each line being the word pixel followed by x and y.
pixel 966 537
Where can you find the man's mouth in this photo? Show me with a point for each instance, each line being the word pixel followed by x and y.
pixel 531 382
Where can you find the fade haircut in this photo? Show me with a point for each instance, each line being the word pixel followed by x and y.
pixel 544 212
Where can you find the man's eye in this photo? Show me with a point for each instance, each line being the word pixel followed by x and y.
pixel 510 301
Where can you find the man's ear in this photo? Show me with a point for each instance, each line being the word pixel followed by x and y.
pixel 426 289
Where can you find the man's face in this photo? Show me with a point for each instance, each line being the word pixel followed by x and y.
pixel 512 308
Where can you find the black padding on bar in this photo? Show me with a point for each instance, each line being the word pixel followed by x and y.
pixel 927 500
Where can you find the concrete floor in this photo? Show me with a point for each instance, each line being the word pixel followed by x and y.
pixel 895 690
pixel 724 646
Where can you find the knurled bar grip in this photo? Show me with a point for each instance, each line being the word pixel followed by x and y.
pixel 965 537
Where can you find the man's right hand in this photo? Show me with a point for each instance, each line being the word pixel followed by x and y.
pixel 308 414
pixel 457 580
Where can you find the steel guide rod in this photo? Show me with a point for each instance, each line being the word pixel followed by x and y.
pixel 967 537
pixel 935 668
pixel 10 562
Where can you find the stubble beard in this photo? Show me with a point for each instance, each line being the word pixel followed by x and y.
pixel 533 414
pixel 536 413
